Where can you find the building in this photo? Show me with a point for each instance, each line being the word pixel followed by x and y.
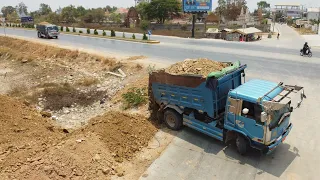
pixel 313 14
pixel 295 11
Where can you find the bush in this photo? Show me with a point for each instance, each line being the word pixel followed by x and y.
pixel 269 35
pixel 113 33
pixel 10 24
pixel 88 31
pixel 104 33
pixel 67 29
pixel 184 27
pixel 7 24
pixel 134 97
pixel 123 35
pixel 145 37
pixel 61 28
pixel 133 36
pixel 74 30
pixel 95 32
pixel 144 25
pixel 80 32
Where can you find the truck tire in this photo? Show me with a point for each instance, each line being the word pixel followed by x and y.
pixel 242 145
pixel 39 34
pixel 172 119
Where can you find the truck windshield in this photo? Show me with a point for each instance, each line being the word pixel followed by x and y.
pixel 277 114
pixel 53 28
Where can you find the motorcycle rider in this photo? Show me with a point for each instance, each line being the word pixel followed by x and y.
pixel 305 48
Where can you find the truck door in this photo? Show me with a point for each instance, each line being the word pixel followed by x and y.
pixel 234 110
pixel 250 123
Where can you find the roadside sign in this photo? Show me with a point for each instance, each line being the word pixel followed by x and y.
pixel 150 33
pixel 194 6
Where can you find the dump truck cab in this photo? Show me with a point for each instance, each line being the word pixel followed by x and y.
pixel 260 111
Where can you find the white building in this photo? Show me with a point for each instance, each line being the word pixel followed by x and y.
pixel 295 11
pixel 313 14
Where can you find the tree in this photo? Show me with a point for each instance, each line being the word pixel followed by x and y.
pixel 162 10
pixel 80 11
pixel 53 18
pixel 111 9
pixel 221 9
pixel 13 17
pixel 68 14
pixel 22 9
pixel 260 16
pixel 45 9
pixel 7 10
pixel 142 10
pixel 234 9
pixel 115 17
pixel 263 5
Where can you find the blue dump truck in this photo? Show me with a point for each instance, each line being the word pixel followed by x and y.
pixel 255 113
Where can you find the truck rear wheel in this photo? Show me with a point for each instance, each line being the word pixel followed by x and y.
pixel 242 144
pixel 172 119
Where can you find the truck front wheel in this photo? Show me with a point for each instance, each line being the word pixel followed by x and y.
pixel 242 145
pixel 39 34
pixel 172 119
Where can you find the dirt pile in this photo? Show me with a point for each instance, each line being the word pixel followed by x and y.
pixel 31 148
pixel 200 66
pixel 23 135
pixel 124 134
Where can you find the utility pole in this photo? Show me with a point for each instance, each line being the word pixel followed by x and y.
pixel 193 24
pixel 319 22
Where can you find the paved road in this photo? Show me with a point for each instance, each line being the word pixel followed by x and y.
pixel 192 155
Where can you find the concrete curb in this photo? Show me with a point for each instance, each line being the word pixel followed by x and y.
pixel 99 36
pixel 115 38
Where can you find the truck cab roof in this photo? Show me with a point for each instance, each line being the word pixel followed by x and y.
pixel 254 89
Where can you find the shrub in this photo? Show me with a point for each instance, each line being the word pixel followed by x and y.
pixel 88 31
pixel 269 35
pixel 145 37
pixel 13 25
pixel 184 27
pixel 133 36
pixel 104 33
pixel 7 24
pixel 113 33
pixel 67 29
pixel 74 29
pixel 61 28
pixel 144 25
pixel 95 32
pixel 80 32
pixel 123 35
pixel 10 24
pixel 134 97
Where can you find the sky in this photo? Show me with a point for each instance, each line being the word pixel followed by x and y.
pixel 54 4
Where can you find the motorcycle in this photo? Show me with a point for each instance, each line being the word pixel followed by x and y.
pixel 309 54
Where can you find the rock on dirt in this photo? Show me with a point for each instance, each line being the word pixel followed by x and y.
pixel 200 66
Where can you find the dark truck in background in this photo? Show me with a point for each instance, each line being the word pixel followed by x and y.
pixel 47 30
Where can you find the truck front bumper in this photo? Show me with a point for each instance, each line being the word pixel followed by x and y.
pixel 269 149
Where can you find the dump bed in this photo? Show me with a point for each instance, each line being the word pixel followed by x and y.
pixel 195 92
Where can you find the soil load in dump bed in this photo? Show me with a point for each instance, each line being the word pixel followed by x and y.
pixel 200 66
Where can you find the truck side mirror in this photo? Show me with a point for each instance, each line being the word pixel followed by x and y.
pixel 264 117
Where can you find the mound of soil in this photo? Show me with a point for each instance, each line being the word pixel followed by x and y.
pixel 32 148
pixel 124 134
pixel 200 66
pixel 24 133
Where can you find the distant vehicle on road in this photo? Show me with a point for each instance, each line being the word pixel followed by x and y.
pixel 47 30
pixel 309 53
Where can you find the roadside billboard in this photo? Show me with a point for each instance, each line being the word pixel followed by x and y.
pixel 197 5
